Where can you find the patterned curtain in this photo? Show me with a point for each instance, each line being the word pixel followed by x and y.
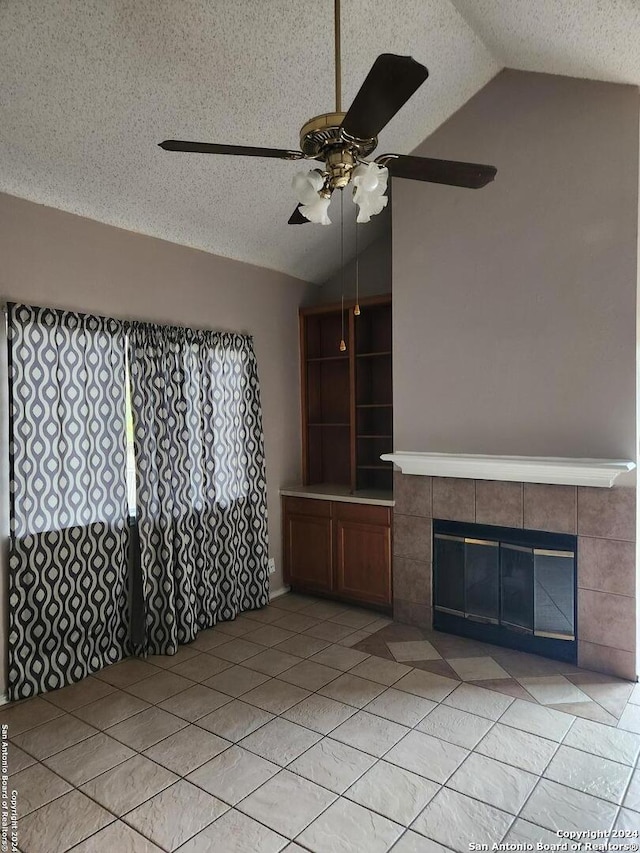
pixel 68 505
pixel 201 492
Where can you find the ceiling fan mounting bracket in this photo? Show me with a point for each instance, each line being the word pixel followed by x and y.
pixel 325 131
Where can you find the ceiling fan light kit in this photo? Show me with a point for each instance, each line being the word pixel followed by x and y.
pixel 342 142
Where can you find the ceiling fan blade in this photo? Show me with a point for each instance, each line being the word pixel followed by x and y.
pixel 297 218
pixel 451 172
pixel 388 86
pixel 212 148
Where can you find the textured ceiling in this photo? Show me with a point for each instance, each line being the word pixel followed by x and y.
pixel 597 39
pixel 88 88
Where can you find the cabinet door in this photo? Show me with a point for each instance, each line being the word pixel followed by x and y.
pixel 308 553
pixel 363 554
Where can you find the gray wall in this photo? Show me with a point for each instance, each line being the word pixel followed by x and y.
pixel 515 305
pixel 374 274
pixel 54 258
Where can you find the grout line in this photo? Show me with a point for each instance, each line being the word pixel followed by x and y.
pixel 279 715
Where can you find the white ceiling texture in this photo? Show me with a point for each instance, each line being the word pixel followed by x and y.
pixel 89 87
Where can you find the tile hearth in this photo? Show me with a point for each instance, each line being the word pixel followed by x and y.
pixel 271 734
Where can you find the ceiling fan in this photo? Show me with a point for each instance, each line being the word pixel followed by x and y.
pixel 340 142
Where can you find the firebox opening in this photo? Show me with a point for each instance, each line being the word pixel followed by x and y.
pixel 510 587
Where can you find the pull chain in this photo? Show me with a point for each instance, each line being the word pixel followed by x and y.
pixel 343 345
pixel 356 307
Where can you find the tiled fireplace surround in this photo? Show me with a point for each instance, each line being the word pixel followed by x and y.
pixel 603 519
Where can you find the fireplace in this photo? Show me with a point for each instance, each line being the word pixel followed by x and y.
pixel 507 586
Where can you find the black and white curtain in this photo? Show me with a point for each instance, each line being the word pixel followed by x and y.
pixel 68 501
pixel 201 491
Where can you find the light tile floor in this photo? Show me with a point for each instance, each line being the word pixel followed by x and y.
pixel 313 726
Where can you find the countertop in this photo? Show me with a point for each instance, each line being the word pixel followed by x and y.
pixel 323 492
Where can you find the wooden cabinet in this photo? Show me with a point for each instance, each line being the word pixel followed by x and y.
pixel 308 544
pixel 363 553
pixel 347 410
pixel 339 549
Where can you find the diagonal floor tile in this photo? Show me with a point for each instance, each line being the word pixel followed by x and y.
pixel 426 684
pixel 604 741
pixel 234 832
pixel 201 667
pixel 339 657
pixel 110 710
pixel 175 815
pixel 477 668
pixel 553 690
pixel 586 710
pixel 310 675
pixel 54 736
pixel 89 758
pixel 22 716
pixel 537 720
pixel 319 713
pixel 393 792
pixel 382 671
pixel 61 824
pixel 630 719
pixel 238 650
pixel 82 693
pixel 128 785
pixel 493 782
pixel 477 700
pixel 427 756
pixel 333 765
pixel 272 662
pixel 184 653
pixel 235 720
pixel 161 686
pixel 589 773
pixel 456 820
pixel 270 635
pixel 37 786
pixel 275 696
pixel 280 741
pixel 195 702
pixel 17 760
pixel 414 650
pixel 346 827
pixel 271 803
pixel 117 836
pixel 236 681
pixel 126 672
pixel 520 749
pixel 352 690
pixel 455 726
pixel 187 749
pixel 369 733
pixel 302 646
pixel 557 807
pixel 145 729
pixel 401 707
pixel 233 774
pixel 508 686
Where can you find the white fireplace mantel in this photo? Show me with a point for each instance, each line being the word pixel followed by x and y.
pixel 523 469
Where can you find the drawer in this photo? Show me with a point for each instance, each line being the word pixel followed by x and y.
pixel 362 513
pixel 307 506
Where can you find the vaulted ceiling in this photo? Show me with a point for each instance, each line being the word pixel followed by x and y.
pixel 88 89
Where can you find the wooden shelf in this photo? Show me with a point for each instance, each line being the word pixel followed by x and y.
pixel 342 395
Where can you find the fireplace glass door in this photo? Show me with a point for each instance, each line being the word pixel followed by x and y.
pixel 497 584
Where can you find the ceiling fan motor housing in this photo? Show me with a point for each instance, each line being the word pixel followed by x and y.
pixel 322 137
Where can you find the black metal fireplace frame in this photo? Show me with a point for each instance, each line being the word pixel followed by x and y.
pixel 558 649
